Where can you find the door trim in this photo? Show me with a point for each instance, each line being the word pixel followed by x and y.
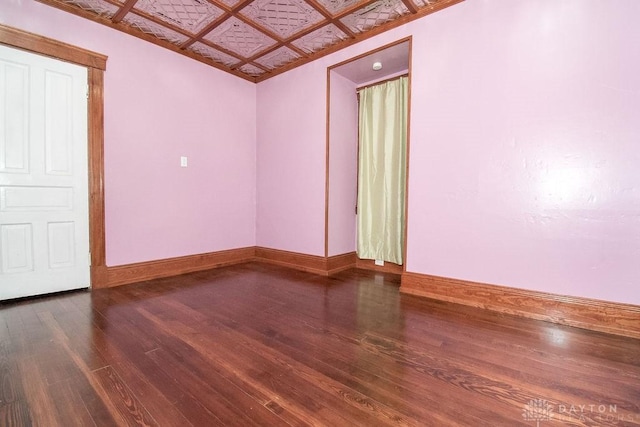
pixel 409 40
pixel 96 64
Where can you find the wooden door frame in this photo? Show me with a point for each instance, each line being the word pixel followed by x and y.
pixel 409 40
pixel 96 65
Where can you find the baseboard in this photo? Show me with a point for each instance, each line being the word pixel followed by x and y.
pixel 138 272
pixel 388 267
pixel 338 263
pixel 295 260
pixel 310 263
pixel 603 316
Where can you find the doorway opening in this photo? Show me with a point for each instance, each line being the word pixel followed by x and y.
pixel 343 82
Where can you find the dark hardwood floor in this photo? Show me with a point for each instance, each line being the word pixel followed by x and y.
pixel 260 345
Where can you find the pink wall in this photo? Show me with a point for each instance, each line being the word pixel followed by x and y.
pixel 291 161
pixel 153 115
pixel 343 166
pixel 524 147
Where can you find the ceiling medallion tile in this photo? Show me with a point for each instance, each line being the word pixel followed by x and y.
pixel 278 58
pixel 189 15
pixel 252 70
pixel 320 38
pixel 283 17
pixel 240 38
pixel 96 6
pixel 337 6
pixel 149 27
pixel 375 14
pixel 214 54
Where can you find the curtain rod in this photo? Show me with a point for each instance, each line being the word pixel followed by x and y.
pixel 382 81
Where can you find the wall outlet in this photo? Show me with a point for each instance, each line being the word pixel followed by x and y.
pixel 183 161
pixel 379 262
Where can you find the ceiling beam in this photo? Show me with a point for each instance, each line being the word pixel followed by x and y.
pixel 124 10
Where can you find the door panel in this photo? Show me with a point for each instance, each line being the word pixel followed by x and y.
pixel 17 248
pixel 58 124
pixel 44 226
pixel 14 144
pixel 61 244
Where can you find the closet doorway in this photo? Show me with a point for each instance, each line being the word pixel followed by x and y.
pixel 344 80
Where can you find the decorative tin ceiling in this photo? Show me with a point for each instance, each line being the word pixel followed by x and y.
pixel 253 39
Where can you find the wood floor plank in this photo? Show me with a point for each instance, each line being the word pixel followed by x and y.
pixel 164 411
pixel 10 384
pixel 127 405
pixel 80 333
pixel 149 379
pixel 260 345
pixel 41 406
pixel 340 392
pixel 110 401
pixel 15 413
pixel 70 399
pixel 346 361
pixel 239 368
pixel 271 376
pixel 215 392
pixel 335 350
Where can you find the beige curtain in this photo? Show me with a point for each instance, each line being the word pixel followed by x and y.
pixel 382 170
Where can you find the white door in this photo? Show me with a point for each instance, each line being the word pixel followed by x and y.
pixel 44 213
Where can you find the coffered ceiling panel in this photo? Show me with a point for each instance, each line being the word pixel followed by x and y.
pixel 252 39
pixel 150 27
pixel 375 14
pixel 283 17
pixel 277 58
pixel 240 38
pixel 98 7
pixel 189 15
pixel 214 54
pixel 337 6
pixel 319 39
